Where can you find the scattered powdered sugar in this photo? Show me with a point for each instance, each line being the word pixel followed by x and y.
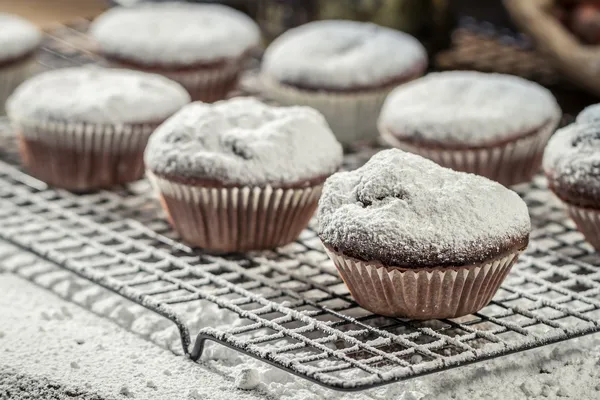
pixel 243 141
pixel 572 157
pixel 17 37
pixel 174 34
pixel 97 95
pixel 404 210
pixel 467 108
pixel 341 55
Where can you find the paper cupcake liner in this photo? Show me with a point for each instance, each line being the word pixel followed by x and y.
pixel 12 75
pixel 439 292
pixel 588 223
pixel 81 156
pixel 203 84
pixel 236 219
pixel 351 116
pixel 515 162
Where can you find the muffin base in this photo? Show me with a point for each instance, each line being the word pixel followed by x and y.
pixel 352 116
pixel 206 83
pixel 422 293
pixel 82 157
pixel 12 74
pixel 236 219
pixel 588 223
pixel 509 163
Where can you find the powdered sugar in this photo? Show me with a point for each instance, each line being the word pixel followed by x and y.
pixel 589 114
pixel 17 37
pixel 243 141
pixel 175 34
pixel 467 108
pixel 341 55
pixel 97 95
pixel 402 209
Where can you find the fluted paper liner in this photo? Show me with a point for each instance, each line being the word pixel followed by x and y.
pixel 511 163
pixel 351 116
pixel 439 292
pixel 207 84
pixel 588 223
pixel 12 75
pixel 80 156
pixel 229 219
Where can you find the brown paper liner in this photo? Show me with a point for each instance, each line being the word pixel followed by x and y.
pixel 510 163
pixel 235 219
pixel 82 157
pixel 206 84
pixel 588 223
pixel 427 293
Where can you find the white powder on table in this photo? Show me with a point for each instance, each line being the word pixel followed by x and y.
pixel 342 55
pixel 246 142
pixel 17 37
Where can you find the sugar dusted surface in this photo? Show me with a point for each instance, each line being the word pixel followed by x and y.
pixel 342 55
pixel 404 210
pixel 17 37
pixel 243 141
pixel 97 95
pixel 572 159
pixel 175 34
pixel 467 108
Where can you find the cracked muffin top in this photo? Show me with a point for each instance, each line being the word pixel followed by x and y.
pixel 405 211
pixel 244 142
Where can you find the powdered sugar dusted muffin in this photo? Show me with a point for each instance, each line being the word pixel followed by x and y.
pixel 572 165
pixel 413 239
pixel 19 41
pixel 201 46
pixel 490 124
pixel 86 128
pixel 344 69
pixel 241 175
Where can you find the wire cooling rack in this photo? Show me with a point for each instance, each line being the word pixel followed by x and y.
pixel 296 312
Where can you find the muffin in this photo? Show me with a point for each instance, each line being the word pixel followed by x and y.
pixel 241 175
pixel 201 46
pixel 489 124
pixel 86 128
pixel 19 41
pixel 413 239
pixel 572 166
pixel 344 69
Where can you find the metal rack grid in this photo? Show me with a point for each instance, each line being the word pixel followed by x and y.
pixel 296 312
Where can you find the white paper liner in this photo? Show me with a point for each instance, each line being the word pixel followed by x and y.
pixel 588 223
pixel 12 75
pixel 238 218
pixel 351 116
pixel 515 162
pixel 441 292
pixel 81 156
pixel 203 84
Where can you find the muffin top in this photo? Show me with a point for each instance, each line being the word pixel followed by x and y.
pixel 572 161
pixel 244 142
pixel 467 109
pixel 405 211
pixel 96 95
pixel 18 37
pixel 175 34
pixel 342 55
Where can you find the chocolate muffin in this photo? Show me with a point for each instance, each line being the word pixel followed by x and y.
pixel 344 69
pixel 86 128
pixel 413 239
pixel 572 166
pixel 493 125
pixel 241 175
pixel 19 41
pixel 201 46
